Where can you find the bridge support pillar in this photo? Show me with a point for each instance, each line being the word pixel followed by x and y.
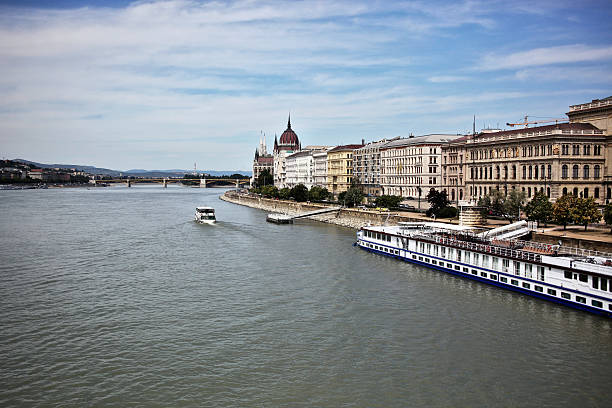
pixel 129 183
pixel 237 184
pixel 202 183
pixel 165 182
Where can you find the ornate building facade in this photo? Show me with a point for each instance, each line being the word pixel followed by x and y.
pixel 263 160
pixel 286 145
pixel 300 166
pixel 565 158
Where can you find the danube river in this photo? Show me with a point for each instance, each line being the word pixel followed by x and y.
pixel 116 297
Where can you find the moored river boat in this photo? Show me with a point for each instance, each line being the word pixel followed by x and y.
pixel 577 278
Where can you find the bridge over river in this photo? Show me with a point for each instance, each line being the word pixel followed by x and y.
pixel 203 182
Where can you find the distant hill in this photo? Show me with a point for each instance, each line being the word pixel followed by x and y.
pixel 133 172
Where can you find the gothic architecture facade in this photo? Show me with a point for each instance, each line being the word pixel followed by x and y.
pixel 262 161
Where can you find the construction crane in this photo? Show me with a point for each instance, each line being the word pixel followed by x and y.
pixel 526 123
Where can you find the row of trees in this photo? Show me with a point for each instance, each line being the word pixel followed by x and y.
pixel 566 210
pixel 299 193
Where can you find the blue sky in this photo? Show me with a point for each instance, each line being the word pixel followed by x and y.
pixel 164 84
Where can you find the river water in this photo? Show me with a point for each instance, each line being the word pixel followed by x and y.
pixel 115 297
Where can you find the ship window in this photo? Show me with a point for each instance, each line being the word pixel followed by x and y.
pixel 474 272
pixel 494 277
pixel 567 274
pixel 448 265
pixel 476 259
pixel 420 258
pixel 565 295
pixel 595 282
pixel 466 270
pixel 457 267
pixel 541 273
pixel 514 282
pixel 596 303
pixel 485 261
pixel 413 256
pixel 517 268
pixel 610 306
pixel 552 292
pixel 526 285
pixel 528 268
pixel 459 256
pixel 503 279
pixel 433 261
pixel 583 277
pixel 580 299
pixel 483 274
pixel 467 257
pixel 495 264
pixel 604 284
pixel 538 288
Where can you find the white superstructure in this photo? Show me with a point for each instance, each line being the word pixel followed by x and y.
pixel 577 278
pixel 205 215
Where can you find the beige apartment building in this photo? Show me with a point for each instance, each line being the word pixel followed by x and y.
pixel 340 168
pixel 410 167
pixel 366 167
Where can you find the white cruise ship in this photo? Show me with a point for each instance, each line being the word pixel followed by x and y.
pixel 573 277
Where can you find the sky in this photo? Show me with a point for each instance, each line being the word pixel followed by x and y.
pixel 166 84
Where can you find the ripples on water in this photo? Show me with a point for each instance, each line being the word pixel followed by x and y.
pixel 115 297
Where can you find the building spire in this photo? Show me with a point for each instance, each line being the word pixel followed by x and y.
pixel 289 121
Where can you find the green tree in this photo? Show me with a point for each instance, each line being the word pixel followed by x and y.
pixel 499 205
pixel 269 191
pixel 284 193
pixel 584 212
pixel 562 208
pixel 389 201
pixel 265 178
pixel 353 196
pixel 318 193
pixel 299 193
pixel 514 203
pixel 539 208
pixel 607 214
pixel 437 201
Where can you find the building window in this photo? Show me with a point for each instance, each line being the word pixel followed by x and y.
pixel 576 150
pixel 586 150
pixel 564 191
pixel 596 171
pixel 575 171
pixel 586 192
pixel 597 150
pixel 513 172
pixel 530 172
pixel 565 150
pixel 524 172
pixel 564 171
pixel 596 192
pixel 585 171
pixel 543 175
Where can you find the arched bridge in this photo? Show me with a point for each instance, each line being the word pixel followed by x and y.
pixel 203 182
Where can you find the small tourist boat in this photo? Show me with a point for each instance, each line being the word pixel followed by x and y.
pixel 205 215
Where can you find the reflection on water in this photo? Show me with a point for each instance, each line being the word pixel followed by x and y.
pixel 115 296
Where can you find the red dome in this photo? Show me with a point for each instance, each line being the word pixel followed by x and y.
pixel 289 137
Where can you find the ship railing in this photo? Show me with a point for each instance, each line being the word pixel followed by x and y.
pixel 490 249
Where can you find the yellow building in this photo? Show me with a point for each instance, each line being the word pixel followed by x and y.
pixel 340 168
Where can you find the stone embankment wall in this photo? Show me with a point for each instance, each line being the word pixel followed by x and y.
pixel 346 217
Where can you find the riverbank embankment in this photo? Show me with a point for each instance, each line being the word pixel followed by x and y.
pixel 346 217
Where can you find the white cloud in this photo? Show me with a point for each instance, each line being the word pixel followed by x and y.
pixel 546 56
